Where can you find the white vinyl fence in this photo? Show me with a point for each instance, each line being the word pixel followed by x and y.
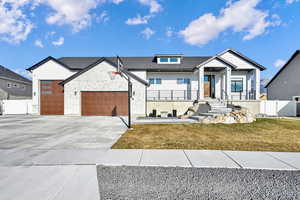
pixel 279 108
pixel 16 107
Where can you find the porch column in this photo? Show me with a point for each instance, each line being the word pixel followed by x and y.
pixel 248 85
pixel 257 83
pixel 228 82
pixel 201 83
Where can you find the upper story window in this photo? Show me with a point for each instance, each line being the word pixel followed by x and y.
pixel 155 81
pixel 168 60
pixel 183 81
pixel 8 85
pixel 16 85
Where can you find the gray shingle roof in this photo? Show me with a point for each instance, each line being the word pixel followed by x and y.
pixel 137 63
pixel 7 73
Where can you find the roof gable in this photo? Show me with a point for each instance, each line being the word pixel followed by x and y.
pixel 243 57
pixel 282 68
pixel 46 60
pixel 98 62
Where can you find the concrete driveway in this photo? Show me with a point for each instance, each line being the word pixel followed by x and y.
pixel 51 140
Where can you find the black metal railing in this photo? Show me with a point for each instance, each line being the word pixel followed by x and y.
pixel 172 95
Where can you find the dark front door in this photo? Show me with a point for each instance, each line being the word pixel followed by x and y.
pixel 52 97
pixel 104 103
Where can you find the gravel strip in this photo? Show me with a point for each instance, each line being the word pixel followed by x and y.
pixel 196 183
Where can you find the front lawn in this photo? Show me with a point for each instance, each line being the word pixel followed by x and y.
pixel 263 135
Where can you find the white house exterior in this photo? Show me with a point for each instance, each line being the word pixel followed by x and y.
pixel 86 86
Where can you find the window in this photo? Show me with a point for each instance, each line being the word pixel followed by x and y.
pixel 46 86
pixel 183 81
pixel 16 85
pixel 153 81
pixel 164 60
pixel 237 86
pixel 8 85
pixel 23 87
pixel 46 82
pixel 174 60
pixel 169 60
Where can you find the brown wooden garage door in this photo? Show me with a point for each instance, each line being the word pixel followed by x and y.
pixel 104 103
pixel 52 98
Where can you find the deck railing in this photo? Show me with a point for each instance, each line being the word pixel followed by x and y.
pixel 172 95
pixel 189 95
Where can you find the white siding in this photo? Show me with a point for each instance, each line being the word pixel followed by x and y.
pixel 241 64
pixel 139 95
pixel 48 71
pixel 169 80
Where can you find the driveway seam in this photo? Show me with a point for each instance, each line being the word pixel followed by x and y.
pixel 188 158
pixel 281 160
pixel 228 156
pixel 140 161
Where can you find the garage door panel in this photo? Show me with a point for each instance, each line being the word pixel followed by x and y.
pixel 104 103
pixel 52 98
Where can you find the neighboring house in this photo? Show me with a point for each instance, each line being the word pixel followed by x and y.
pixel 14 86
pixel 285 85
pixel 85 86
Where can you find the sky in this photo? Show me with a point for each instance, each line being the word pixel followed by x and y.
pixel 266 31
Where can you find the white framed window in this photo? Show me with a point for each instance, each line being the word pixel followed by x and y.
pixel 15 85
pixel 155 81
pixel 237 85
pixel 168 60
pixel 8 85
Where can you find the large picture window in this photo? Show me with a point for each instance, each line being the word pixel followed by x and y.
pixel 237 86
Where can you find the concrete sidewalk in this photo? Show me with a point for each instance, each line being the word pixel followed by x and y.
pixel 202 159
pixel 49 182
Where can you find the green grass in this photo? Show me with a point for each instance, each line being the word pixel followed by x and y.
pixel 263 135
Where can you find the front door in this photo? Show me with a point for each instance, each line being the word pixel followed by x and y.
pixel 207 86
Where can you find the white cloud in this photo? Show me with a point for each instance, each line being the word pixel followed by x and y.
pixel 39 43
pixel 14 24
pixel 147 33
pixel 291 1
pixel 240 16
pixel 103 17
pixel 155 7
pixel 59 42
pixel 138 20
pixel 169 32
pixel 279 63
pixel 117 1
pixel 72 12
pixel 49 34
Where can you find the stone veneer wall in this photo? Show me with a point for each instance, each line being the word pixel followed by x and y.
pixel 182 106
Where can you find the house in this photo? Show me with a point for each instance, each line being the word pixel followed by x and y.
pixel 14 86
pixel 163 82
pixel 285 85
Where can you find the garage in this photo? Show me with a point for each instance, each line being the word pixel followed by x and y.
pixel 113 103
pixel 52 97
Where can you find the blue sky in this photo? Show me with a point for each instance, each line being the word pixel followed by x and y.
pixel 264 30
